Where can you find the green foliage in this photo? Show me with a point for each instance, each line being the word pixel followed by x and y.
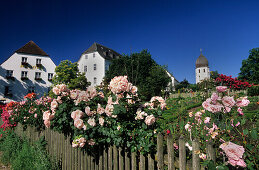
pixel 214 74
pixel 253 91
pixel 67 73
pixel 142 71
pixel 250 67
pixel 23 156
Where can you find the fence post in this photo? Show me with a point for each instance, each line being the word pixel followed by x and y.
pixel 182 154
pixel 170 151
pixel 142 162
pixel 127 160
pixel 115 158
pixel 151 162
pixel 195 154
pixel 110 158
pixel 100 158
pixel 133 161
pixel 160 155
pixel 105 159
pixel 210 152
pixel 121 162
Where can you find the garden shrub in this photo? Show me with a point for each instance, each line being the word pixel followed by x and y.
pixel 23 156
pixel 253 91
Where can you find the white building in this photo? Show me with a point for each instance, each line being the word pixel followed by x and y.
pixel 28 69
pixel 173 82
pixel 95 61
pixel 202 70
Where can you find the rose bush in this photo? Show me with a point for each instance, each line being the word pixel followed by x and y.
pixel 93 117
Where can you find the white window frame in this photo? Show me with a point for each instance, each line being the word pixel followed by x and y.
pixel 38 61
pixel 95 80
pixel 50 76
pixel 93 55
pixel 85 69
pixel 37 75
pixel 24 59
pixel 95 67
pixel 24 74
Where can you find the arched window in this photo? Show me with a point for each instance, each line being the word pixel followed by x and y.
pixel 95 67
pixel 199 71
pixel 95 80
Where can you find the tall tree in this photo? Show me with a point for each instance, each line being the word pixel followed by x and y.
pixel 67 73
pixel 250 67
pixel 142 71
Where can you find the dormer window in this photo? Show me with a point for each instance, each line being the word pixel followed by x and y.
pixel 38 62
pixel 37 75
pixel 24 60
pixel 50 76
pixel 9 74
pixel 95 67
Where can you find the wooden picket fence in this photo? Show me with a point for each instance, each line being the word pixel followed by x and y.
pixel 118 158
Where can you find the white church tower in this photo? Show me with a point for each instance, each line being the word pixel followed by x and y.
pixel 202 70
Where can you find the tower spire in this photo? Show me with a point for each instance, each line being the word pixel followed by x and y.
pixel 201 50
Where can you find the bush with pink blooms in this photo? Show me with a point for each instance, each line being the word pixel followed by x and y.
pixel 222 122
pixel 95 118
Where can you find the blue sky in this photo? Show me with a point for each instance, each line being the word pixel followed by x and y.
pixel 173 31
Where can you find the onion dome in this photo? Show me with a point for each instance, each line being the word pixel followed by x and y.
pixel 202 61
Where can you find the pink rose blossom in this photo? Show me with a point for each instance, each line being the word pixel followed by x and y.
pixel 47 123
pixel 91 122
pixel 240 111
pixel 202 156
pixel 35 115
pixel 228 101
pixel 92 92
pixel 100 109
pixel 74 94
pixel 77 114
pixel 74 145
pixel 101 121
pixel 101 94
pixel 54 104
pixel 214 97
pixel 242 102
pixel 150 120
pixel 88 111
pixel 207 120
pixel 56 91
pixel 78 123
pixel 59 100
pixel 91 142
pixel 221 88
pixel 109 110
pixel 188 127
pixel 234 153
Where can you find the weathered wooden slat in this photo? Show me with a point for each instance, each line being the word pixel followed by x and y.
pixel 160 154
pixel 110 158
pixel 151 162
pixel 133 161
pixel 88 162
pixel 105 158
pixel 100 158
pixel 121 160
pixel 92 162
pixel 127 160
pixel 115 158
pixel 195 155
pixel 142 162
pixel 210 151
pixel 170 152
pixel 182 154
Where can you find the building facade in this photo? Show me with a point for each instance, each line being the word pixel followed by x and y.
pixel 202 70
pixel 173 82
pixel 28 69
pixel 95 61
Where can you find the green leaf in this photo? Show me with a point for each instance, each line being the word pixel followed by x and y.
pixel 221 167
pixel 254 134
pixel 245 131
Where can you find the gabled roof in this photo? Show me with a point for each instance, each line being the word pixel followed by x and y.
pixel 31 48
pixel 105 52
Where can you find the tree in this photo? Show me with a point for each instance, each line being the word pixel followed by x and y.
pixel 250 67
pixel 68 73
pixel 214 74
pixel 142 71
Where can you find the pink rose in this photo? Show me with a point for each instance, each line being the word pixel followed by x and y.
pixel 54 104
pixel 46 115
pixel 59 100
pixel 242 102
pixel 35 115
pixel 56 91
pixel 91 142
pixel 101 121
pixel 150 120
pixel 228 101
pixel 207 120
pixel 100 109
pixel 74 145
pixel 77 114
pixel 221 88
pixel 78 123
pixel 134 90
pixel 109 110
pixel 88 111
pixel 101 94
pixel 91 122
pixel 62 87
pixel 234 153
pixel 92 92
pixel 73 94
pixel 240 111
pixel 176 146
pixel 188 127
pixel 47 123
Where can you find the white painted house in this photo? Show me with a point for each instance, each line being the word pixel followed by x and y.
pixel 28 69
pixel 202 70
pixel 95 61
pixel 173 82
